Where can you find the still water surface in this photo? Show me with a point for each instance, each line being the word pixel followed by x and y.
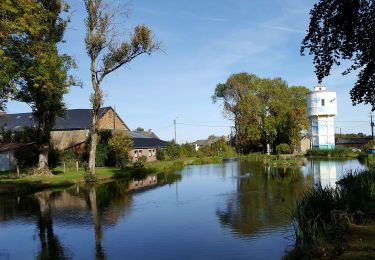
pixel 237 210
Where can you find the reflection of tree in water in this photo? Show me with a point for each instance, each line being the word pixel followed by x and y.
pixel 263 199
pixel 106 203
pixel 50 246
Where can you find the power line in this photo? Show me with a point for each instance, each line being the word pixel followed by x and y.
pixel 203 125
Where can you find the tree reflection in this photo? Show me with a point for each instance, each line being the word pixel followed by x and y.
pixel 50 246
pixel 264 198
pixel 97 224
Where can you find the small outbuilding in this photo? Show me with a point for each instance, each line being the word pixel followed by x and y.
pixel 7 159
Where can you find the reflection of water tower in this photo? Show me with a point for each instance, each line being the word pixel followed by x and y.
pixel 324 173
pixel 321 109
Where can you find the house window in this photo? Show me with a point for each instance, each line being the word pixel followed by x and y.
pixel 140 152
pixel 135 153
pixel 323 103
pixel 149 153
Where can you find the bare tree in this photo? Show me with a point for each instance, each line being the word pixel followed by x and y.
pixel 108 54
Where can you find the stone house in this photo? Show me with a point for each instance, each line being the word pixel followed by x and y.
pixel 72 130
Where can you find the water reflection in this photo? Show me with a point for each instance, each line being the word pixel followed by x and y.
pixel 263 199
pixel 96 207
pixel 327 172
pixel 238 210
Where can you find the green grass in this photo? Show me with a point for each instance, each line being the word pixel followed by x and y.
pixel 10 182
pixel 332 153
pixel 320 235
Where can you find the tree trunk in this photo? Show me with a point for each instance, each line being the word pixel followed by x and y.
pixel 94 141
pixel 96 103
pixel 43 156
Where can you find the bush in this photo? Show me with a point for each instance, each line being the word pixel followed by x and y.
pixel 312 214
pixel 140 162
pixel 119 145
pixel 338 152
pixel 358 191
pixel 283 148
pixel 160 154
pixel 27 156
pixel 173 151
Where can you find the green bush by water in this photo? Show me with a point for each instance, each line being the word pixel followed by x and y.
pixel 312 215
pixel 337 153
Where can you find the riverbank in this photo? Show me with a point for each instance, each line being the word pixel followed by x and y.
pixel 12 183
pixel 337 222
pixel 358 244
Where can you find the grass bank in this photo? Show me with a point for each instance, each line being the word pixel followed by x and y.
pixel 287 160
pixel 337 222
pixel 332 153
pixel 10 182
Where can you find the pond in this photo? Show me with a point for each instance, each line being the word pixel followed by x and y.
pixel 236 210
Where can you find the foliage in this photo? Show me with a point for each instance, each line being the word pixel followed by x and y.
pixel 139 129
pixel 103 157
pixel 187 150
pixel 355 193
pixel 140 163
pixel 283 149
pixel 119 144
pixel 312 214
pixel 27 135
pixel 344 30
pixel 357 190
pixel 369 145
pixel 160 154
pixel 39 74
pixel 337 152
pixel 107 55
pixel 173 150
pixel 218 148
pixel 264 111
pixel 26 157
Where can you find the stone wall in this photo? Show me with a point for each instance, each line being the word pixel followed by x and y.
pixel 107 122
pixel 62 140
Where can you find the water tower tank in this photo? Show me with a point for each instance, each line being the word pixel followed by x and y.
pixel 321 110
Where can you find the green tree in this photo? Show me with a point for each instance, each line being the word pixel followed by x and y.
pixel 264 111
pixel 119 144
pixel 139 129
pixel 107 55
pixel 344 30
pixel 38 73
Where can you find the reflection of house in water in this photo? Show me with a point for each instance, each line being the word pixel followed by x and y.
pixel 149 181
pixel 324 172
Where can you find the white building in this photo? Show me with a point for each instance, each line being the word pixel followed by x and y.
pixel 321 110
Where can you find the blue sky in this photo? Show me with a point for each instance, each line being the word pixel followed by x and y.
pixel 204 42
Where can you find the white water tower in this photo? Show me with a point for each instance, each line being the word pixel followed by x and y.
pixel 321 110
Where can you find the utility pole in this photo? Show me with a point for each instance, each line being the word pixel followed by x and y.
pixel 175 135
pixel 372 127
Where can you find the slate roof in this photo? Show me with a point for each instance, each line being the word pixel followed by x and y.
pixel 149 143
pixel 74 119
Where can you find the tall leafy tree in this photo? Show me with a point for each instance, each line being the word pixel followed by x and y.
pixel 264 111
pixel 37 72
pixel 108 54
pixel 342 30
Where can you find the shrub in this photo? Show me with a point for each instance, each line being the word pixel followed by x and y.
pixel 312 214
pixel 27 156
pixel 173 150
pixel 119 145
pixel 140 162
pixel 358 191
pixel 160 154
pixel 283 148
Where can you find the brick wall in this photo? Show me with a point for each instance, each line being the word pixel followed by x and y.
pixel 150 153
